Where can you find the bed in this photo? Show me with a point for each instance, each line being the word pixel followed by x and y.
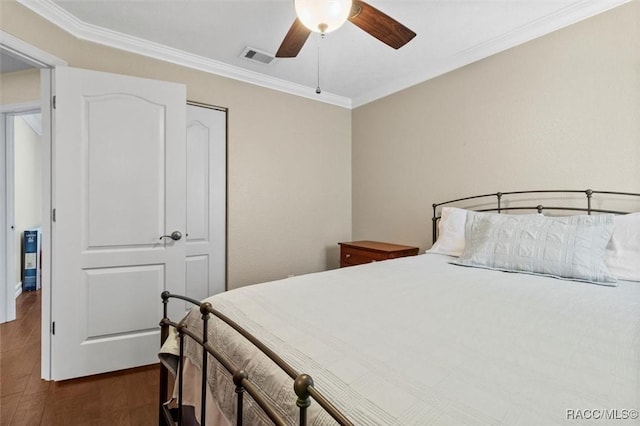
pixel 422 340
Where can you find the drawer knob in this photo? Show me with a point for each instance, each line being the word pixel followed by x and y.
pixel 347 255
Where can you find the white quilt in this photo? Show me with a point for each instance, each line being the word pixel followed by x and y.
pixel 418 341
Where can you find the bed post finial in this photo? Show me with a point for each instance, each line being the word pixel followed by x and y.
pixel 165 301
pixel 238 377
pixel 205 309
pixel 539 207
pixel 499 195
pixel 589 193
pixel 301 386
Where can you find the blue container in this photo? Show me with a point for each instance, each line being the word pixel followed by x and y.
pixel 31 260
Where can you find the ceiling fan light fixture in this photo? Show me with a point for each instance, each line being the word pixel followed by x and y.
pixel 323 16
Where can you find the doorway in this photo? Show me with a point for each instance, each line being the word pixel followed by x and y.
pixel 13 68
pixel 23 173
pixel 25 54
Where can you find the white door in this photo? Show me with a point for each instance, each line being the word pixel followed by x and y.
pixel 118 186
pixel 206 200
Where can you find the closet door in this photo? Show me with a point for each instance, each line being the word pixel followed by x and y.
pixel 206 201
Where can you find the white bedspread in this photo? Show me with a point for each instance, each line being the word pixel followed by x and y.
pixel 418 341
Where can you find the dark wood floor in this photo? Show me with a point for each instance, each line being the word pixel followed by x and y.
pixel 123 398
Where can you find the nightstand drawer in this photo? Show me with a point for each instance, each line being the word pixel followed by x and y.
pixel 359 252
pixel 353 256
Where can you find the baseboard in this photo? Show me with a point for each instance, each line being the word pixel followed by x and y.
pixel 18 289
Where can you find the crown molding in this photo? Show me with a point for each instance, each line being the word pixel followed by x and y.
pixel 561 18
pixel 88 32
pixel 564 17
pixel 28 53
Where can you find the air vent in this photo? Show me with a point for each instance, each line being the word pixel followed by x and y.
pixel 251 54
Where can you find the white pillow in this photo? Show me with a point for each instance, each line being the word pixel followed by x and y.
pixel 623 250
pixel 450 232
pixel 571 247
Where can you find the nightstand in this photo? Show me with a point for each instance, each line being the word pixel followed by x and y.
pixel 359 252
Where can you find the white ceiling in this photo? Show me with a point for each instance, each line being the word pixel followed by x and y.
pixel 355 68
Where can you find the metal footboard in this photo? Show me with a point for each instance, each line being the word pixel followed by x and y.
pixel 302 386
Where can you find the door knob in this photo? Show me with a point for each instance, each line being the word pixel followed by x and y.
pixel 175 235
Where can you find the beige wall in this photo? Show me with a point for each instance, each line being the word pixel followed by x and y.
pixel 28 183
pixel 289 158
pixel 19 87
pixel 562 111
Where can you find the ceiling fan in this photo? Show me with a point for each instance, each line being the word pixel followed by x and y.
pixel 324 16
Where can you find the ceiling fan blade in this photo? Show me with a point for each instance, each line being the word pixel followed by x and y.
pixel 380 25
pixel 294 40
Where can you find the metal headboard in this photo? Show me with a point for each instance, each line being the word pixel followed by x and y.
pixel 499 208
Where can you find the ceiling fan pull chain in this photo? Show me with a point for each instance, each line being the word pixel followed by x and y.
pixel 318 90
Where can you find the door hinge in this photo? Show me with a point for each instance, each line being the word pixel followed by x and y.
pixel 53 215
pixel 53 328
pixel 53 102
